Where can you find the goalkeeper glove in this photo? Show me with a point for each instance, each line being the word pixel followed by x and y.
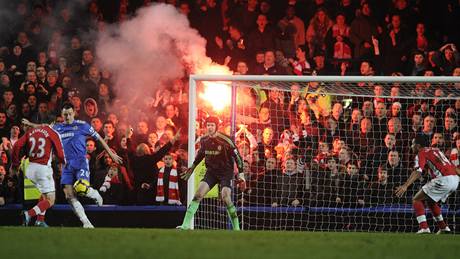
pixel 241 182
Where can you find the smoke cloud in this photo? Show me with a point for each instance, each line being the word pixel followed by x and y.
pixel 153 48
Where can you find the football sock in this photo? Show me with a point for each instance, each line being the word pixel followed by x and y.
pixel 232 213
pixel 78 210
pixel 191 210
pixel 41 207
pixel 436 211
pixel 92 193
pixel 419 209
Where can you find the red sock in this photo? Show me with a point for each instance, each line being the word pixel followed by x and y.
pixel 41 207
pixel 419 209
pixel 436 210
pixel 41 217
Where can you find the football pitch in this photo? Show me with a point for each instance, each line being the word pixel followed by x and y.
pixel 56 242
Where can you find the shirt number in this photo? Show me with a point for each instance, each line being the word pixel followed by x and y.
pixel 37 151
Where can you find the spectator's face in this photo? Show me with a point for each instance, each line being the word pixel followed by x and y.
pixel 331 164
pixel 168 160
pixel 300 54
pixel 96 123
pixel 68 115
pixel 321 16
pixel 269 58
pixel 76 102
pixel 262 21
pixel 418 59
pixel 393 158
pixel 438 139
pixel 42 58
pixel 108 129
pixel 396 21
pixel 242 68
pixel 381 110
pixel 170 134
pixel 17 50
pixel 323 147
pixel 366 125
pixel 366 10
pixel 87 56
pixel 93 72
pixel 438 93
pixel 160 123
pixel 66 82
pixel 52 79
pixel 449 123
pixel 301 106
pixel 184 8
pixel 449 54
pixel 123 143
pixel 264 114
pixel 30 89
pixel 75 43
pixel 331 124
pixel 90 146
pixel 103 90
pixel 244 150
pixel 456 72
pixel 2 118
pixel 270 164
pixel 390 141
pixel 378 90
pixel 43 108
pixel 428 124
pixel 319 61
pixel 343 155
pixel 289 165
pixel 274 94
pixel 31 76
pixel 337 145
pixel 394 126
pixel 8 96
pixel 395 110
pixel 365 69
pixel 337 110
pixel 170 111
pixel 142 127
pixel 267 135
pixel 352 169
pixel 356 115
pixel 90 109
pixel 5 79
pixel 382 175
pixel 15 131
pixel 394 91
pixel 25 109
pixel 31 66
pixel 41 72
pixel 32 100
pixel 260 58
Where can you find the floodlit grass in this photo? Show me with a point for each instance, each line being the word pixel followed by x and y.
pixel 109 243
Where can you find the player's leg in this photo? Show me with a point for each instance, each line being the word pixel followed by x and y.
pixel 83 173
pixel 231 209
pixel 49 197
pixel 419 208
pixel 42 177
pixel 202 190
pixel 67 181
pixel 76 206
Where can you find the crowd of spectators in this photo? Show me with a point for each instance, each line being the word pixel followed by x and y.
pixel 296 152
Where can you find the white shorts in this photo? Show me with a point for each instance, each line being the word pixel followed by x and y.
pixel 440 188
pixel 41 176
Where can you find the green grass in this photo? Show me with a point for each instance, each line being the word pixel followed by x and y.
pixel 18 242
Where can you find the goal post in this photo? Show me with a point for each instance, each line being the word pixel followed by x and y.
pixel 304 190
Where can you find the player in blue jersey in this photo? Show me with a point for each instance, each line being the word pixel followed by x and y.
pixel 73 134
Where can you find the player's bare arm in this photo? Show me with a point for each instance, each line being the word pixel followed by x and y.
pixel 400 190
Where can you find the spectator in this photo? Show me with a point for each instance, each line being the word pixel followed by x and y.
pixel 362 29
pixel 167 184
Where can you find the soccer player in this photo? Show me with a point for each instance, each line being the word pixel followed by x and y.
pixel 73 134
pixel 444 181
pixel 40 143
pixel 219 153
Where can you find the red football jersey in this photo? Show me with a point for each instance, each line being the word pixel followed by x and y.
pixel 40 143
pixel 437 162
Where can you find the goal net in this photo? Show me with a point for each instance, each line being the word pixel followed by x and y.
pixel 325 153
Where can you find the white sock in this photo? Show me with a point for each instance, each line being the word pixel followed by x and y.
pixel 78 210
pixel 93 194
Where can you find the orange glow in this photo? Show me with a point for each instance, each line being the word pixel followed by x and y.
pixel 216 94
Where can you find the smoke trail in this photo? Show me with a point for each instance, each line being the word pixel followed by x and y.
pixel 154 47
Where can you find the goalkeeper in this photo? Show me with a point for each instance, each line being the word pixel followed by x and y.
pixel 219 153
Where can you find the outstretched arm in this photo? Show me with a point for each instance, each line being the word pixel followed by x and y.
pixel 31 124
pixel 117 159
pixel 400 190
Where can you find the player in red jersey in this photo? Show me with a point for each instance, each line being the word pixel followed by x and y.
pixel 444 181
pixel 40 144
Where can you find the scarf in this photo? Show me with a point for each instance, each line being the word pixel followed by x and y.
pixel 173 190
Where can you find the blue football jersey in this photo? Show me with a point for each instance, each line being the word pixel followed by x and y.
pixel 73 138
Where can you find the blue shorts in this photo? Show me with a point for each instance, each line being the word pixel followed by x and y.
pixel 74 170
